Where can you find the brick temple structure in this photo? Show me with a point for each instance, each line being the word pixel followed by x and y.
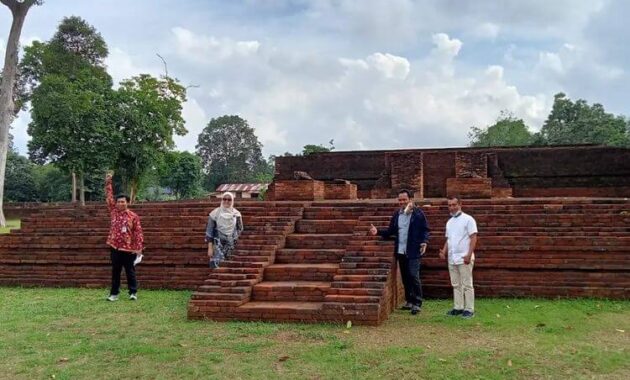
pixel 565 171
pixel 553 222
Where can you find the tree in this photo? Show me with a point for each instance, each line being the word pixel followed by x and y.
pixel 71 124
pixel 53 184
pixel 181 172
pixel 20 183
pixel 230 151
pixel 578 123
pixel 506 131
pixel 8 109
pixel 148 113
pixel 71 97
pixel 311 148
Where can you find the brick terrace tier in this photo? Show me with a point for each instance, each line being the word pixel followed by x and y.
pixel 313 261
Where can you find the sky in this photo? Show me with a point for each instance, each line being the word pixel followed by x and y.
pixel 368 74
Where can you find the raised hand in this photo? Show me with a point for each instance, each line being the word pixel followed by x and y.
pixel 373 230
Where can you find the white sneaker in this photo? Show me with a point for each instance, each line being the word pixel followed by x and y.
pixel 133 297
pixel 112 298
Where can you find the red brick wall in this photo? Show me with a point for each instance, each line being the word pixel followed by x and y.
pixel 469 187
pixel 406 172
pixel 471 164
pixel 340 191
pixel 298 190
pixel 438 167
pixel 526 170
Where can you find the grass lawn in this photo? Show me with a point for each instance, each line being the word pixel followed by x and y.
pixel 74 333
pixel 12 224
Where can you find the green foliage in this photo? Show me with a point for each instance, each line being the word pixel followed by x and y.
pixel 506 131
pixel 181 172
pixel 148 113
pixel 311 148
pixel 53 185
pixel 71 97
pixel 20 183
pixel 580 123
pixel 230 152
pixel 71 122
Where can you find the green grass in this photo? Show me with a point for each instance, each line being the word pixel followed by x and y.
pixel 12 224
pixel 74 333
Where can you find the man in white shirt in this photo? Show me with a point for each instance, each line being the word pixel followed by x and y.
pixel 461 239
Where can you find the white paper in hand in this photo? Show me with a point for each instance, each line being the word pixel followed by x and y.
pixel 138 259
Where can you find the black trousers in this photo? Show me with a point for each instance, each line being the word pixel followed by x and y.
pixel 121 259
pixel 410 274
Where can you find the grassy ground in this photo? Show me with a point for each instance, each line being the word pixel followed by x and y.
pixel 74 333
pixel 11 225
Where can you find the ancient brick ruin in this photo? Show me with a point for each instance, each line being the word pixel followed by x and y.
pixel 306 256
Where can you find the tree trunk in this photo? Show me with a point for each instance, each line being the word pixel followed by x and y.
pixel 134 190
pixel 82 190
pixel 74 187
pixel 9 72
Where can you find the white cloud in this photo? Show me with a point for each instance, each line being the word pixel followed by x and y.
pixel 210 48
pixel 389 65
pixel 487 30
pixel 121 65
pixel 196 121
pixel 445 46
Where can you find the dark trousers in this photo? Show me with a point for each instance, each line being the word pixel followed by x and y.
pixel 410 274
pixel 121 260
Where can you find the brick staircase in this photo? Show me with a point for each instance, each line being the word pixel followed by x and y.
pixel 313 261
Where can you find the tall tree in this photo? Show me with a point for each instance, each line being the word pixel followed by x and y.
pixel 19 10
pixel 181 172
pixel 71 97
pixel 506 131
pixel 148 114
pixel 71 124
pixel 230 151
pixel 579 123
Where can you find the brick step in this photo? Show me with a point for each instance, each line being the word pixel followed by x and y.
pixel 276 307
pixel 203 295
pixel 249 259
pixel 230 283
pixel 244 264
pixel 364 271
pixel 364 265
pixel 289 255
pixel 243 290
pixel 357 291
pixel 306 226
pixel 229 276
pixel 321 241
pixel 349 298
pixel 311 291
pixel 237 270
pixel 359 278
pixel 300 272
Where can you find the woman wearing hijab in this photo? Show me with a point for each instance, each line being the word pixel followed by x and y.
pixel 225 224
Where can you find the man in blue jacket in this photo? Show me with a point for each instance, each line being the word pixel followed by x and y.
pixel 410 227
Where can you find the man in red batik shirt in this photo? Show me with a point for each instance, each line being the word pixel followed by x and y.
pixel 125 239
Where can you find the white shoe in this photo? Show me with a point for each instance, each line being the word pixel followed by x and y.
pixel 133 297
pixel 112 298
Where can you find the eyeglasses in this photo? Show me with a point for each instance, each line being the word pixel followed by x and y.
pixel 227 200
